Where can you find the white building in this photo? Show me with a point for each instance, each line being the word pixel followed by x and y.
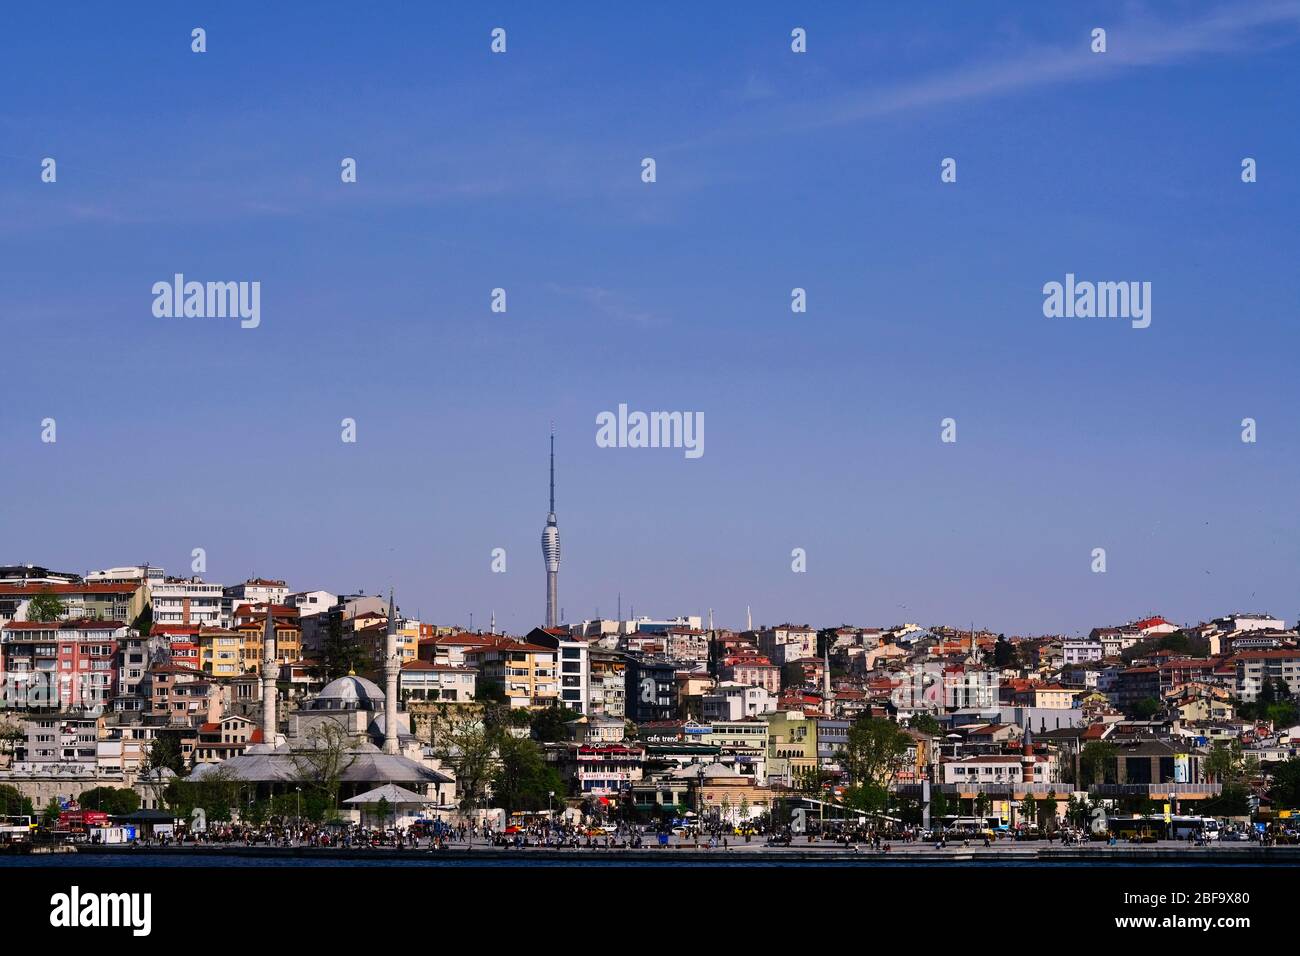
pixel 575 676
pixel 1236 623
pixel 1081 651
pixel 731 700
pixel 252 591
pixel 313 616
pixel 420 680
pixel 187 601
pixel 787 643
pixel 133 574
pixel 996 768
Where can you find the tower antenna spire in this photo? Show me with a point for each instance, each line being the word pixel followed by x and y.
pixel 551 549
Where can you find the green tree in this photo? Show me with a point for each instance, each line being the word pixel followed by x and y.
pixel 522 780
pixel 1228 763
pixel 490 691
pixel 874 751
pixel 792 675
pixel 45 606
pixel 1146 708
pixel 50 815
pixel 867 797
pixel 1232 801
pixel 217 793
pixel 466 743
pixel 341 656
pixel 117 801
pixel 926 724
pixel 1029 810
pixel 1096 762
pixel 143 623
pixel 1047 810
pixel 981 805
pixel 13 803
pixel 548 723
pixel 1285 788
pixel 322 763
pixel 165 752
pixel 938 804
pixel 1004 653
pixel 11 735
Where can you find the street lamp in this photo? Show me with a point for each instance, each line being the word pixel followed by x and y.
pixel 298 820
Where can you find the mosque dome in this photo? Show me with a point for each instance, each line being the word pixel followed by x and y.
pixel 348 693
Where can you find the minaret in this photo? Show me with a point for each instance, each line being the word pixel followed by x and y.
pixel 270 673
pixel 551 550
pixel 392 665
pixel 826 680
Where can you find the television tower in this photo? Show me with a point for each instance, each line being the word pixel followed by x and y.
pixel 551 549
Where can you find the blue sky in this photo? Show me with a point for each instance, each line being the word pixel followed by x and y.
pixel 775 170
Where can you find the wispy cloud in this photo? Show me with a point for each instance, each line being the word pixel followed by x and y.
pixel 1140 41
pixel 1137 43
pixel 607 302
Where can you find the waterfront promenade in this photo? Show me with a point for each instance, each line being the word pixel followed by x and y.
pixel 1168 852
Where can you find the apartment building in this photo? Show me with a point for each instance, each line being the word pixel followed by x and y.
pixel 101 602
pixel 58 743
pixel 1254 668
pixel 527 673
pixel 187 601
pixel 789 642
pixel 252 631
pixel 421 680
pixel 252 591
pixel 754 671
pixel 221 652
pixel 60 664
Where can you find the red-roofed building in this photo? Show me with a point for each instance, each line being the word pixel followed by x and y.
pixel 69 665
pixel 1153 626
pixel 181 695
pixel 754 670
pixel 251 628
pixel 450 648
pixel 527 673
pixel 105 602
pixel 224 738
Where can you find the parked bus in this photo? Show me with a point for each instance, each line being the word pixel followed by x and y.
pixel 17 829
pixel 1153 826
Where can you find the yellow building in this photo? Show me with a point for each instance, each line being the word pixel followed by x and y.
pixel 221 652
pixel 525 672
pixel 288 638
pixel 372 639
pixel 1054 696
pixel 791 745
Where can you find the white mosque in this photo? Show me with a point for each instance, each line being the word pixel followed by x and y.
pixel 379 754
